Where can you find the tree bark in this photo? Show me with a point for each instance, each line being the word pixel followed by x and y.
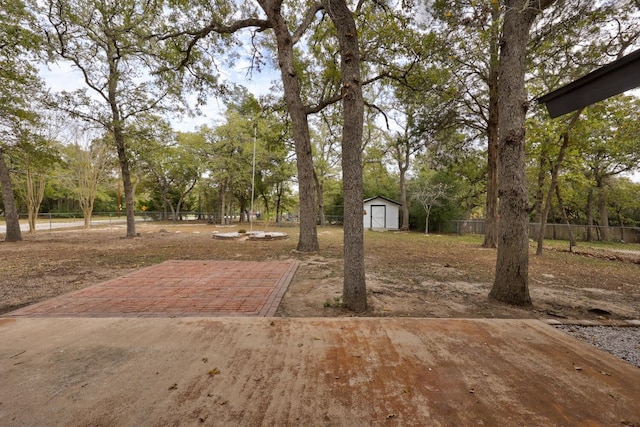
pixel 491 223
pixel 320 199
pixel 589 209
pixel 308 239
pixel 426 222
pixel 543 160
pixel 565 218
pixel 511 284
pixel 222 206
pixel 403 156
pixel 13 233
pixel 354 294
pixel 35 193
pixel 554 182
pixel 126 181
pixel 603 210
pixel 403 200
pixel 116 126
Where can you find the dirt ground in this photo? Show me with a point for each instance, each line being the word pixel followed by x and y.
pixel 251 371
pixel 408 274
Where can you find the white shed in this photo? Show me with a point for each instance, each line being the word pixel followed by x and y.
pixel 381 213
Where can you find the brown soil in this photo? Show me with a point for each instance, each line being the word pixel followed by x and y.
pixel 408 274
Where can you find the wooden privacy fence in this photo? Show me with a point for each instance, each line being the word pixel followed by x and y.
pixel 553 231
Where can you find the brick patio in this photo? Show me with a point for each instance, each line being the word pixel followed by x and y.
pixel 178 288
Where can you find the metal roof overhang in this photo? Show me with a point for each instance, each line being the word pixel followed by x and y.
pixel 609 80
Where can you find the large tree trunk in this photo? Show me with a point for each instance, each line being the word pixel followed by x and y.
pixel 308 240
pixel 354 293
pixel 118 136
pixel 511 284
pixel 13 233
pixel 491 223
pixel 126 182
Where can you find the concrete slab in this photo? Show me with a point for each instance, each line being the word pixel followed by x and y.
pixel 178 288
pixel 307 372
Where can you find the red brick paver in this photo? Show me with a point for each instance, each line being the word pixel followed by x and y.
pixel 178 288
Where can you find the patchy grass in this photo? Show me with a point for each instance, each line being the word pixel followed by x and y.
pixel 408 274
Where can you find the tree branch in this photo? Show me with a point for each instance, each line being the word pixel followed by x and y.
pixel 213 27
pixel 378 109
pixel 323 103
pixel 311 13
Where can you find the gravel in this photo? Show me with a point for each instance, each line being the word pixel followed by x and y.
pixel 622 342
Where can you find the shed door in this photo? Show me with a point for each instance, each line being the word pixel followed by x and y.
pixel 378 216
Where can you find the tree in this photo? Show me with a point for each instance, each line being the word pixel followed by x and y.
pixel 88 163
pixel 624 202
pixel 353 106
pixel 469 173
pixel 171 160
pixel 511 284
pixel 230 153
pixel 123 68
pixel 609 140
pixel 429 193
pixel 601 29
pixel 13 233
pixel 354 291
pixel 326 152
pixel 298 113
pixel 35 159
pixel 474 31
pixel 403 146
pixel 19 85
pixel 331 88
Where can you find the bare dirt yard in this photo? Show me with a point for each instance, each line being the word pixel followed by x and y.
pixel 408 274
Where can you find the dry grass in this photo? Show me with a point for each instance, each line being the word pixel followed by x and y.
pixel 408 274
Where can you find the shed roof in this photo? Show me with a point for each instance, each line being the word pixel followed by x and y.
pixel 383 198
pixel 609 80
